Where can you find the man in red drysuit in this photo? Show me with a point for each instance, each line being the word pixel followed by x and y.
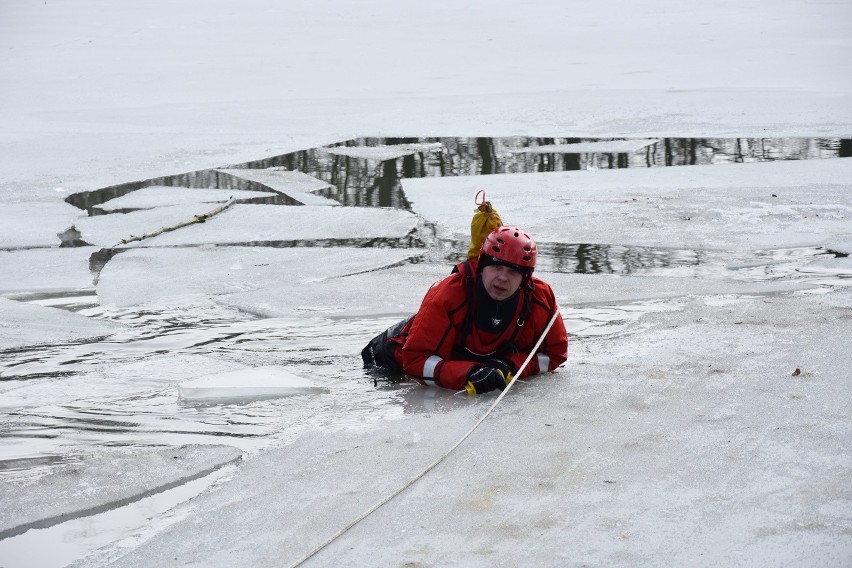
pixel 479 324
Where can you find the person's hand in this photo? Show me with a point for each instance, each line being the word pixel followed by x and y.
pixel 501 364
pixel 486 379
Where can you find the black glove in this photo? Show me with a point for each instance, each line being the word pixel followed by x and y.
pixel 502 364
pixel 486 379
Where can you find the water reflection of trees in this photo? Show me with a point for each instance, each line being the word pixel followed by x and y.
pixel 201 179
pixel 363 183
pixel 613 259
pixel 371 183
pixel 696 151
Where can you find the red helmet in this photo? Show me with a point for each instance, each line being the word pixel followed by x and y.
pixel 510 245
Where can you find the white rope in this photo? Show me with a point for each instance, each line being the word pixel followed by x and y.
pixel 432 465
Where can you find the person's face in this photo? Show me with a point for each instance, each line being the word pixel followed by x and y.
pixel 500 281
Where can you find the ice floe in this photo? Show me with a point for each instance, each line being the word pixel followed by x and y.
pixel 291 224
pixel 160 196
pixel 290 276
pixel 110 230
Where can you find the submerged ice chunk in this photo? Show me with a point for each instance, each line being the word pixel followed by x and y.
pixel 293 184
pixel 381 153
pixel 253 383
pixel 610 146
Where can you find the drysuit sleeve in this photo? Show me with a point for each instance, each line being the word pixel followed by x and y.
pixel 434 331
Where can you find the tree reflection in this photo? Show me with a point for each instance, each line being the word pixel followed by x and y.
pixel 369 183
pixel 613 259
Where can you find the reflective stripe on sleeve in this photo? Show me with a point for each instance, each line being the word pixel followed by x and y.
pixel 543 362
pixel 430 366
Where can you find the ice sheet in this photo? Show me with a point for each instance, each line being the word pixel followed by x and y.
pixel 289 275
pixel 757 205
pixel 158 196
pixel 46 270
pixel 659 437
pixel 27 324
pixel 17 229
pixel 294 184
pixel 333 297
pixel 102 482
pixel 109 230
pixel 271 223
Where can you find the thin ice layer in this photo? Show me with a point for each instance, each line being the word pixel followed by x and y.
pixel 109 480
pixel 300 186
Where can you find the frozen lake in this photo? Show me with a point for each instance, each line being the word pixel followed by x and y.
pixel 685 173
pixel 61 399
pixel 118 388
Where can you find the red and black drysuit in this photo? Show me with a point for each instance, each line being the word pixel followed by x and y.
pixel 448 336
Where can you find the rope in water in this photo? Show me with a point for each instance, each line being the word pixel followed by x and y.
pixel 431 466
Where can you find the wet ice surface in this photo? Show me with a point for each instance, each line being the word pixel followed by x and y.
pixel 303 288
pixel 124 389
pixel 75 538
pixel 105 482
pixel 25 324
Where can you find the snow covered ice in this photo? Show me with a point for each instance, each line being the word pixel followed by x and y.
pixel 701 419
